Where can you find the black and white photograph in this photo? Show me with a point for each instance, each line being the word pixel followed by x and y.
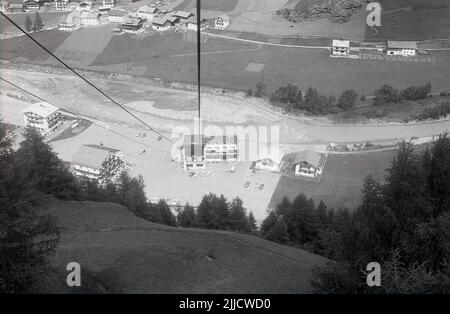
pixel 246 149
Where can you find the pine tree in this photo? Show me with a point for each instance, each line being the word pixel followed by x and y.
pixel 38 23
pixel 252 225
pixel 188 217
pixel 238 219
pixel 28 24
pixel 168 217
pixel 278 233
pixel 205 212
pixel 347 99
pixel 268 223
pixel 438 175
pixel 322 213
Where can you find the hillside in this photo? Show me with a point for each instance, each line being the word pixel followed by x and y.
pixel 120 253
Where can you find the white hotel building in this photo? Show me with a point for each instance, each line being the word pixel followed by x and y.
pixel 42 116
pixel 213 149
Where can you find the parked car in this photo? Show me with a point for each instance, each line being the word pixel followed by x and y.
pixel 261 186
pixel 247 184
pixel 256 185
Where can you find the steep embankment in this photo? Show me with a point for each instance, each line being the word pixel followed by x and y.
pixel 119 252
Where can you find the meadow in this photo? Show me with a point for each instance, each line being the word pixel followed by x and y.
pixel 341 182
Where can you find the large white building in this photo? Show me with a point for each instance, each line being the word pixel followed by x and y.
pixel 70 22
pixel 109 3
pixel 61 5
pixel 42 116
pixel 341 48
pixel 401 48
pixel 192 24
pixel 90 18
pixel 196 154
pixel 164 23
pixel 147 12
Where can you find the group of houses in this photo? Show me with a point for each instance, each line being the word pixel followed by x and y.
pixel 57 5
pixel 199 151
pixel 341 48
pixel 134 22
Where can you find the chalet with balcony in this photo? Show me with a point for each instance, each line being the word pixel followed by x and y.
pixel 42 116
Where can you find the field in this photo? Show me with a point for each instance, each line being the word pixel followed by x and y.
pixel 341 182
pixel 169 58
pixel 413 21
pixel 121 253
pixel 23 48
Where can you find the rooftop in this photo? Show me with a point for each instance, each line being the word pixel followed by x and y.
pixel 147 9
pixel 183 14
pixel 224 17
pixel 117 12
pixel 341 43
pixel 160 20
pixel 308 156
pixel 90 15
pixel 133 21
pixel 193 20
pixel 401 44
pixel 92 156
pixel 43 109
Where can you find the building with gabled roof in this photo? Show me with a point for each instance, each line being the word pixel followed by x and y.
pixel 42 116
pixel 109 3
pixel 222 22
pixel 90 18
pixel 183 15
pixel 31 5
pixel 307 163
pixel 341 47
pixel 133 25
pixel 90 159
pixel 401 48
pixel 61 5
pixel 147 12
pixel 163 23
pixel 192 24
pixel 70 22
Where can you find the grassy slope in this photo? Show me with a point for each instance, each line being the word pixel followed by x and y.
pixel 119 252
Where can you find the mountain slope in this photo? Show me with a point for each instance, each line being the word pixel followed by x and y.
pixel 121 253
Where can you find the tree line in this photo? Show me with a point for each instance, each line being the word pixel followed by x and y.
pixel 291 97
